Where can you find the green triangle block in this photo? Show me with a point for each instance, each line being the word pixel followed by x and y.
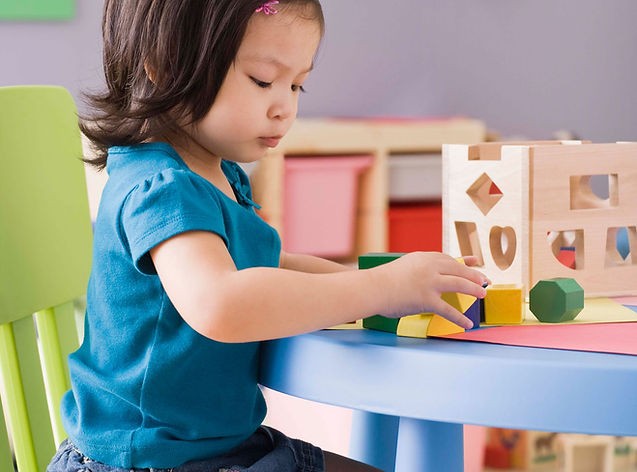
pixel 381 323
pixel 373 259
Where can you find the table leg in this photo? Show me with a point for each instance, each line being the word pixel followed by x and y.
pixel 373 439
pixel 429 446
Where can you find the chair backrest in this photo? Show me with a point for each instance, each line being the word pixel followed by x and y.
pixel 45 258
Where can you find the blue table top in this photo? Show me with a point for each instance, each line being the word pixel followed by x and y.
pixel 458 381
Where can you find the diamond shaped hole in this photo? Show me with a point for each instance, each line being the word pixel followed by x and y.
pixel 484 193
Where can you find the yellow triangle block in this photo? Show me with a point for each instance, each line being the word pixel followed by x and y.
pixel 426 324
pixel 440 326
pixel 459 301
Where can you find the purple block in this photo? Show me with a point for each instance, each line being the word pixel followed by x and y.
pixel 473 313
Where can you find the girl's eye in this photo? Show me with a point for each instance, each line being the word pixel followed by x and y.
pixel 298 88
pixel 261 83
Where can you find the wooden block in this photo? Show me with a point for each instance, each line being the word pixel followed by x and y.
pixel 460 301
pixel 425 325
pixel 556 300
pixel 414 326
pixel 440 326
pixel 473 313
pixel 367 261
pixel 381 323
pixel 358 324
pixel 504 304
pixel 374 259
pixel 417 325
pixel 464 303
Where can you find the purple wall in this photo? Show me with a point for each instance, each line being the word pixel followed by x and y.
pixel 526 67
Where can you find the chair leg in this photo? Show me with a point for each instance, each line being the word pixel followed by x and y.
pixel 13 401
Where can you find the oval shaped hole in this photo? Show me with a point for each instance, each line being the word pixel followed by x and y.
pixel 502 242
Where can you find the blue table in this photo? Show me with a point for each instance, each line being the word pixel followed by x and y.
pixel 411 396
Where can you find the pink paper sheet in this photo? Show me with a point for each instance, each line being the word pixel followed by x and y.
pixel 617 338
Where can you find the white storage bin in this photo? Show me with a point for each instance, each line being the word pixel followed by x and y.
pixel 415 177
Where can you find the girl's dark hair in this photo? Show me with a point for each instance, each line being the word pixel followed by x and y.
pixel 185 46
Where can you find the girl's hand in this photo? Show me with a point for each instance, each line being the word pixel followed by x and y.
pixel 415 282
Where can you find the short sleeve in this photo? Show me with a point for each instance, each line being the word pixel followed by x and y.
pixel 168 203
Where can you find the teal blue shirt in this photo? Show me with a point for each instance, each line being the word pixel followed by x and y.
pixel 148 390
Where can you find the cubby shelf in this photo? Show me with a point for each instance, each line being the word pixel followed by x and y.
pixel 378 138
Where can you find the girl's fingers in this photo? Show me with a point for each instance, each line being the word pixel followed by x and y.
pixel 470 260
pixel 450 313
pixel 450 283
pixel 460 270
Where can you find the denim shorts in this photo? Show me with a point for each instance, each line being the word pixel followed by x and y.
pixel 267 450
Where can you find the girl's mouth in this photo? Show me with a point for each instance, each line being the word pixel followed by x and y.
pixel 270 141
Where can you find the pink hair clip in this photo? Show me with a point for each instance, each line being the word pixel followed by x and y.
pixel 267 8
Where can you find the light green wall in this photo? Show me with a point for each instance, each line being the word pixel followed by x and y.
pixel 37 9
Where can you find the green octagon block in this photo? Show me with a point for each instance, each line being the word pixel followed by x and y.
pixel 556 300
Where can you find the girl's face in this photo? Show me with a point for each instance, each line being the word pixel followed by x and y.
pixel 257 102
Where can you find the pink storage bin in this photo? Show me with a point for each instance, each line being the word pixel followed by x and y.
pixel 319 204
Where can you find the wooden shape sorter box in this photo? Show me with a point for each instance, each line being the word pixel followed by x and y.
pixel 519 206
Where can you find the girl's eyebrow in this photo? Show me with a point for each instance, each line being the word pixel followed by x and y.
pixel 277 63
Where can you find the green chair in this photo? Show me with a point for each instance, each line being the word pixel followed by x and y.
pixel 45 258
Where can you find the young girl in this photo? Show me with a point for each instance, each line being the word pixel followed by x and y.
pixel 186 278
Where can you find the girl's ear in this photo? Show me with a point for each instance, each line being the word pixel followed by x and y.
pixel 149 72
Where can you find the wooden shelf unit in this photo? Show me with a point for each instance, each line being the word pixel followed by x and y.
pixel 376 138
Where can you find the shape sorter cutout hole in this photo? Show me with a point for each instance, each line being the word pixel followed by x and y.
pixel 484 193
pixel 620 244
pixel 593 191
pixel 502 242
pixel 568 247
pixel 469 240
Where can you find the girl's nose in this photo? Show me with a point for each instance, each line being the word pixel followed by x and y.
pixel 284 107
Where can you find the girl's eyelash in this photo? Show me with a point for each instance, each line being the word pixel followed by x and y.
pixel 262 84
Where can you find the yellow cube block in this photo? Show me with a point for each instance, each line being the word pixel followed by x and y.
pixel 504 304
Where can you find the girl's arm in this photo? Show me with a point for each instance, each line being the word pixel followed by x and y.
pixel 311 264
pixel 261 303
